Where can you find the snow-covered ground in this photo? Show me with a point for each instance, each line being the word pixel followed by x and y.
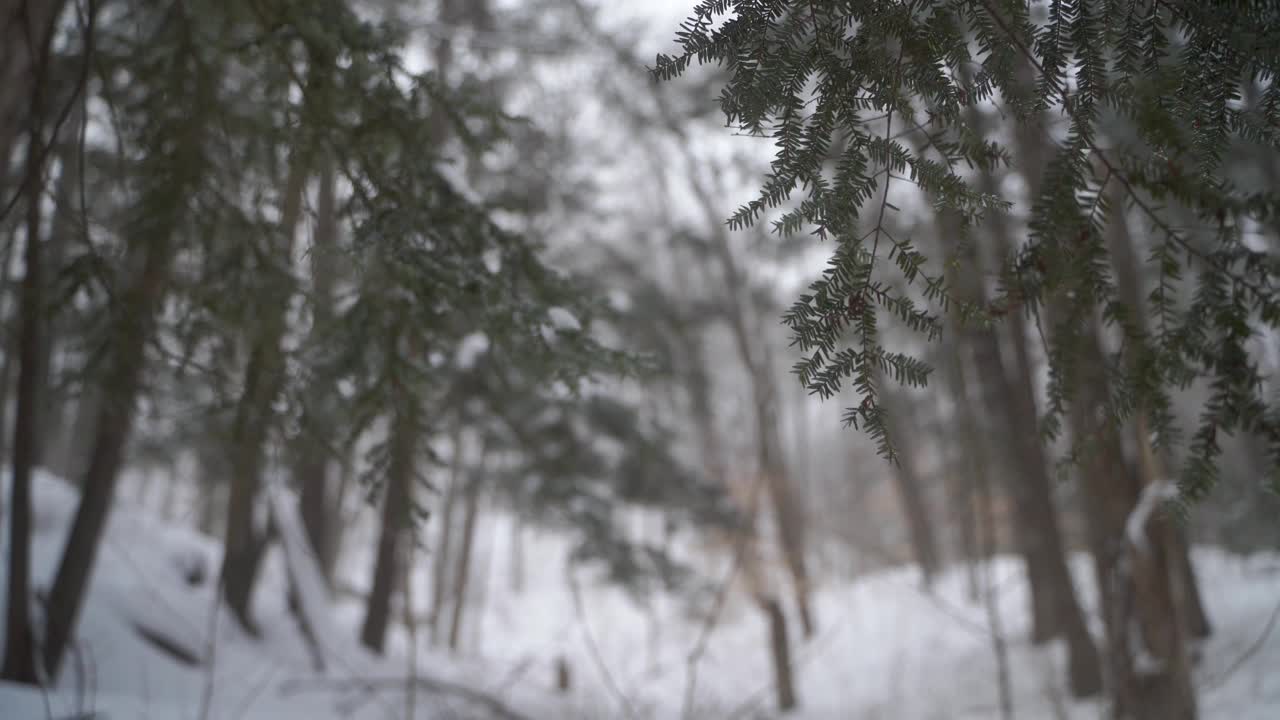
pixel 884 649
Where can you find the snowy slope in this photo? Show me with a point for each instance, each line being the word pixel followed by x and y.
pixel 139 582
pixel 884 649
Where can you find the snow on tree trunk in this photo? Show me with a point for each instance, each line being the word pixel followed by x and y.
pixel 306 573
pixel 395 520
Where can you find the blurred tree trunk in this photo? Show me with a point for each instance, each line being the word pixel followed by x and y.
pixel 462 572
pixel 312 471
pixel 443 556
pixel 780 647
pixel 745 541
pixel 974 466
pixel 8 337
pixel 1011 399
pixel 986 548
pixel 79 440
pixel 208 480
pixel 396 520
pixel 910 487
pixel 19 651
pixel 756 358
pixel 21 61
pixel 1146 647
pixel 244 542
pixel 1130 289
pixel 338 504
pixel 66 220
pixel 120 384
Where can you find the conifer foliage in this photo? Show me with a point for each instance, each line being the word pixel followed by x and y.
pixel 1137 103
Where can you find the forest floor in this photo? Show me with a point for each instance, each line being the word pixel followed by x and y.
pixel 884 647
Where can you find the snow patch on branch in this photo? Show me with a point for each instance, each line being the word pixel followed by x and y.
pixel 563 320
pixel 1136 524
pixel 1145 664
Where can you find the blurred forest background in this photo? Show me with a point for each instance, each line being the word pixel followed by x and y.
pixel 395 359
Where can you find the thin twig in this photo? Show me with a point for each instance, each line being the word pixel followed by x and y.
pixel 717 607
pixel 594 649
pixel 1245 656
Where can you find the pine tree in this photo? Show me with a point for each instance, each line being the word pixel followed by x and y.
pixel 839 84
pixel 1119 112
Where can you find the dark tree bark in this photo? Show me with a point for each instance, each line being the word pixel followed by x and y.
pixel 10 341
pixel 244 543
pixel 19 654
pixel 1032 495
pixel 1011 400
pixel 911 490
pixel 1197 618
pixel 780 647
pixel 395 521
pixel 122 380
pixel 21 22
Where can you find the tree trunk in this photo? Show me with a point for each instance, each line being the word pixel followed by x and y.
pixel 19 654
pixel 114 423
pixel 911 491
pixel 1011 399
pixel 786 508
pixel 986 547
pixel 1032 495
pixel 312 466
pixel 1197 618
pixel 395 520
pixel 78 445
pixel 209 479
pixel 780 648
pixel 1146 648
pixel 337 509
pixel 7 337
pixel 754 353
pixel 61 232
pixel 1131 291
pixel 244 543
pixel 440 566
pixel 21 21
pixel 311 476
pixel 463 569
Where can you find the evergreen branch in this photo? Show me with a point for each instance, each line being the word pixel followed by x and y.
pixel 1096 150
